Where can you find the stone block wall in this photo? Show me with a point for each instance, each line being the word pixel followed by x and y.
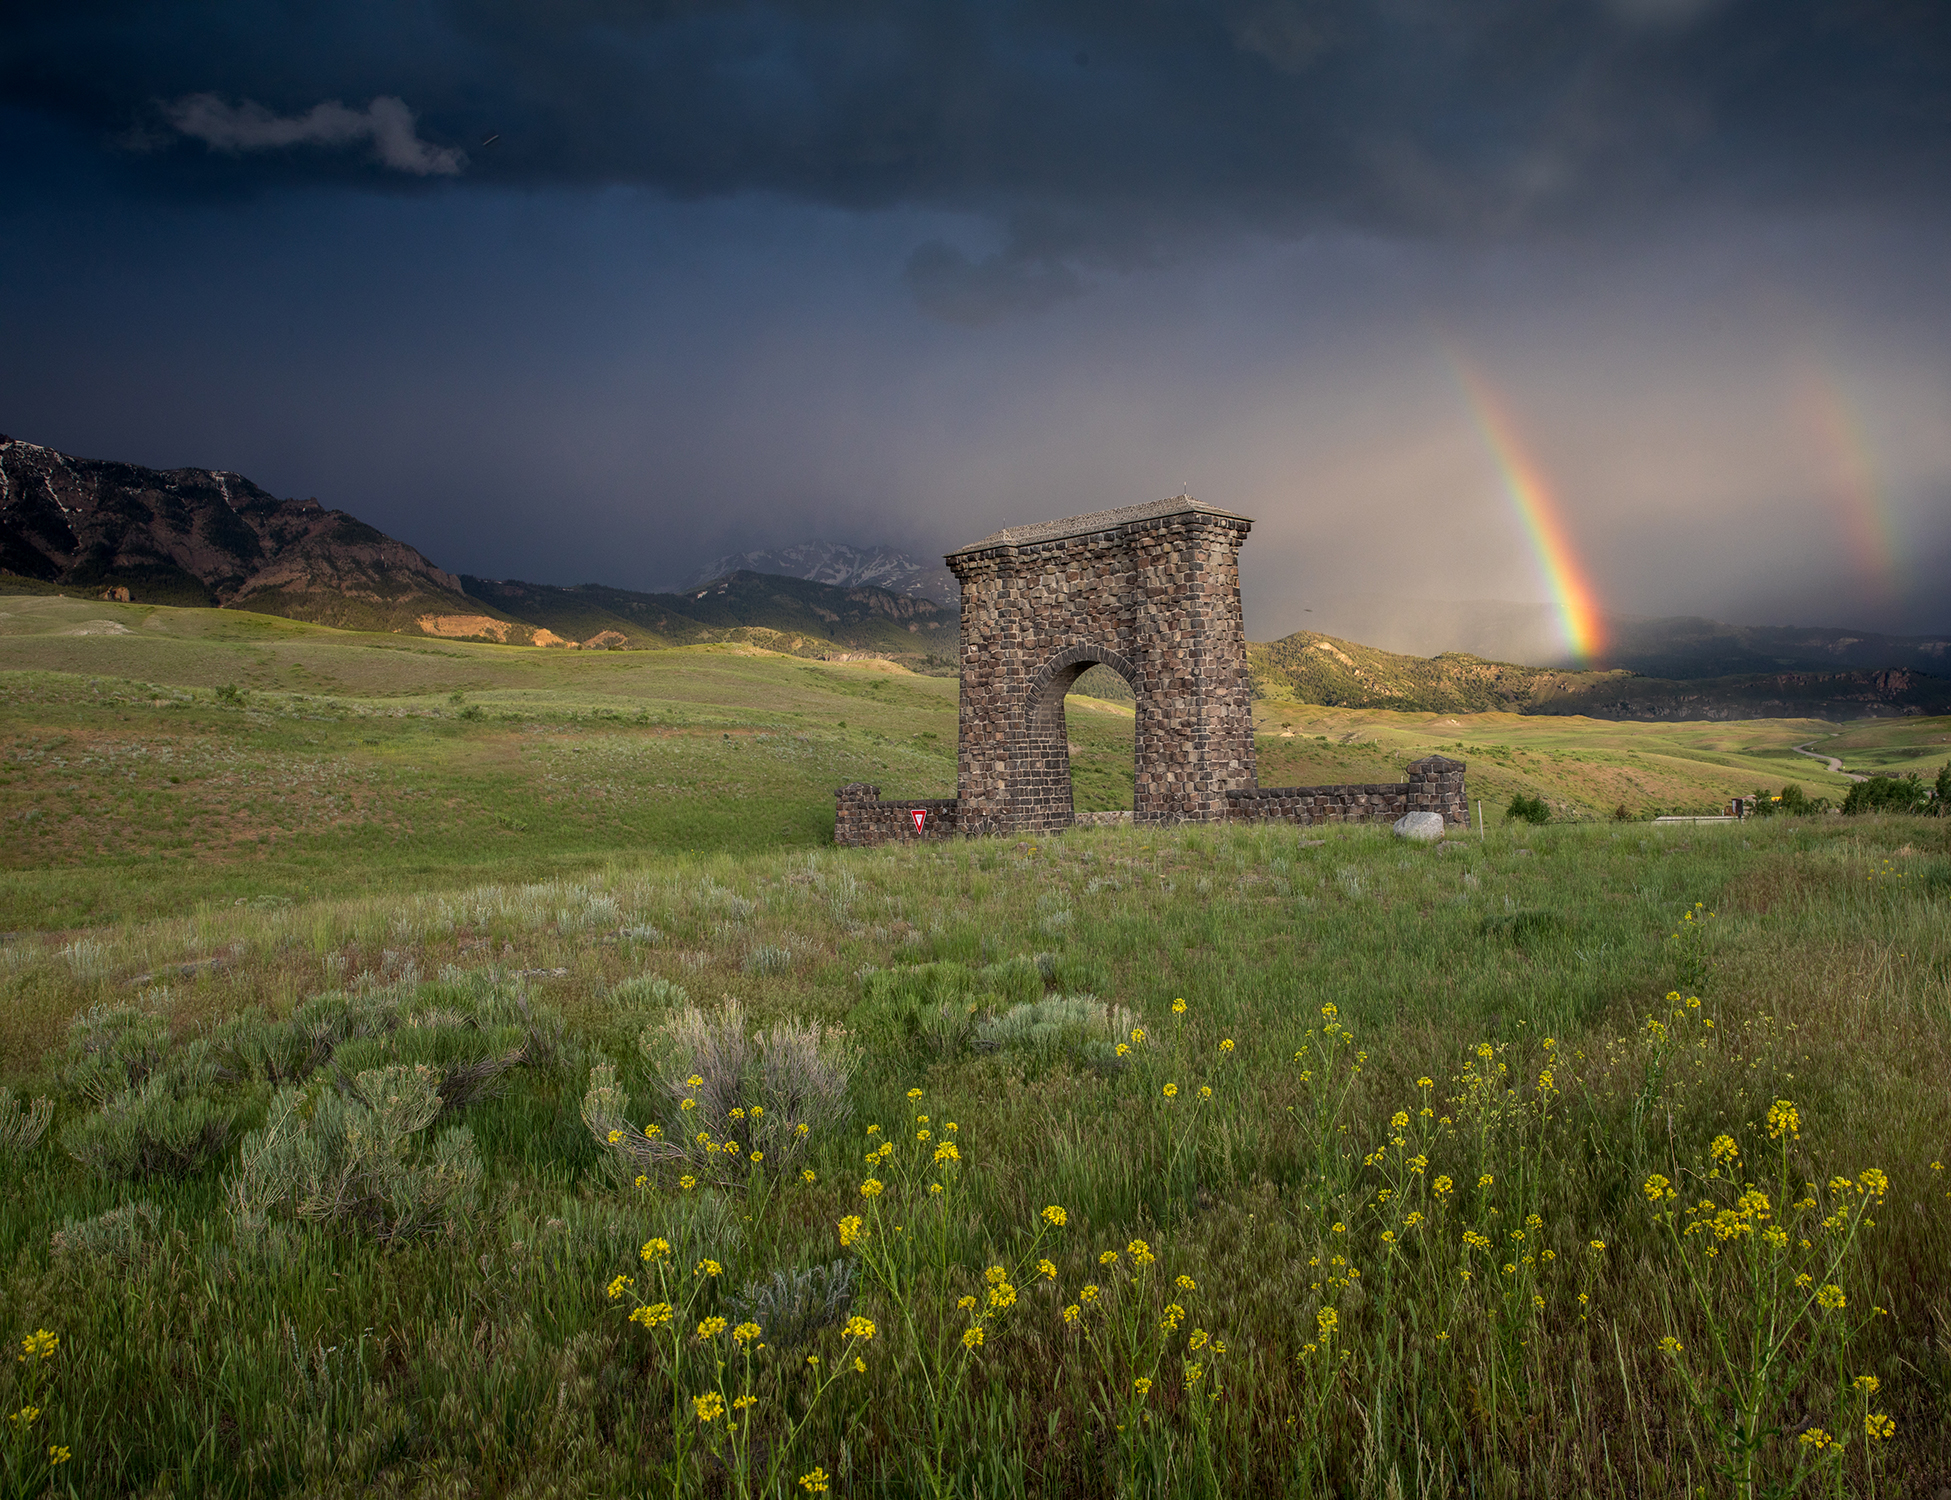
pixel 1435 784
pixel 861 818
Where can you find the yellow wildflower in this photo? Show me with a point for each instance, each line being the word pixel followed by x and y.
pixel 707 1267
pixel 859 1327
pixel 1178 1007
pixel 873 1187
pixel 1227 1045
pixel 655 1315
pixel 1047 1269
pixel 1055 1217
pixel 815 1482
pixel 1142 1385
pixel 1171 1091
pixel 745 1332
pixel 618 1287
pixel 1141 1252
pixel 972 1337
pixel 709 1407
pixel 1877 1425
pixel 710 1328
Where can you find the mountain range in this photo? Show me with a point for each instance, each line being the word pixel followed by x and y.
pixel 213 538
pixel 844 566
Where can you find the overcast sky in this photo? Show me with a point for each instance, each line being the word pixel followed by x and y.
pixel 737 275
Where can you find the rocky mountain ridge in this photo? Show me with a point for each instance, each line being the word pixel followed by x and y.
pixel 843 566
pixel 206 537
pixel 209 537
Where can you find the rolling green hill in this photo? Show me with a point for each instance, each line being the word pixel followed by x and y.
pixel 1308 667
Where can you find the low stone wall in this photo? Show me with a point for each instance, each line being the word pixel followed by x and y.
pixel 1435 784
pixel 1365 802
pixel 861 818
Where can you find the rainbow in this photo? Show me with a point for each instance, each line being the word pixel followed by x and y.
pixel 1868 519
pixel 1539 512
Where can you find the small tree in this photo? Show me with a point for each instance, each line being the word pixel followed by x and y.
pixel 1525 809
pixel 1887 794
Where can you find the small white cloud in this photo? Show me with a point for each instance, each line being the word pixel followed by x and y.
pixel 386 122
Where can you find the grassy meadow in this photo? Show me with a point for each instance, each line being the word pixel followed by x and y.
pixel 471 1070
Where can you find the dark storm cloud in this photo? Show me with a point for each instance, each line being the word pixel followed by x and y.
pixel 1135 119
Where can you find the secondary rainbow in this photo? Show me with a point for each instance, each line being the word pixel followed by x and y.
pixel 1537 510
pixel 1868 520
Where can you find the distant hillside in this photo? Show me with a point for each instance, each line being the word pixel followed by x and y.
pixel 1310 667
pixel 1656 646
pixel 787 614
pixel 208 536
pixel 844 567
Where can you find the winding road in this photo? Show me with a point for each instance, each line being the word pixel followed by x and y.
pixel 1830 761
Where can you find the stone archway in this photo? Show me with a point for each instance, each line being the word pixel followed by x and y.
pixel 1151 591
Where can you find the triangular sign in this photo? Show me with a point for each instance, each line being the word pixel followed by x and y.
pixel 920 815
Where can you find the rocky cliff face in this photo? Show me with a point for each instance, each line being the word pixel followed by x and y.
pixel 205 536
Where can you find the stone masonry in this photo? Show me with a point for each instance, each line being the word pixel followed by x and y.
pixel 1153 592
pixel 1435 785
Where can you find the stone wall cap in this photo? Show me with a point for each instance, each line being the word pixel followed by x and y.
pixel 1097 520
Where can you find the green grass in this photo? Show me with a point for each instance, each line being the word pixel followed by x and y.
pixel 488 1357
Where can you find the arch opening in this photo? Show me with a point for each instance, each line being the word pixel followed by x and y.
pixel 1083 747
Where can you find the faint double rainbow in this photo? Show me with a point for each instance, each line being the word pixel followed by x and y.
pixel 1538 511
pixel 1855 480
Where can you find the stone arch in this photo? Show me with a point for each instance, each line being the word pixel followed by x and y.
pixel 1151 591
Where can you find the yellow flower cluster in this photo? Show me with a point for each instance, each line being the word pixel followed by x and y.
pixel 40 1344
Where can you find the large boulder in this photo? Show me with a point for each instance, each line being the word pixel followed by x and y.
pixel 1420 827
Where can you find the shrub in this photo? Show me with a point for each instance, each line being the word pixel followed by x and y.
pixel 795 1305
pixel 153 1115
pixel 1887 794
pixel 795 1072
pixel 1062 1023
pixel 125 1235
pixel 232 694
pixel 1941 792
pixel 164 1128
pixel 22 1124
pixel 114 1047
pixel 349 1157
pixel 768 960
pixel 1525 809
